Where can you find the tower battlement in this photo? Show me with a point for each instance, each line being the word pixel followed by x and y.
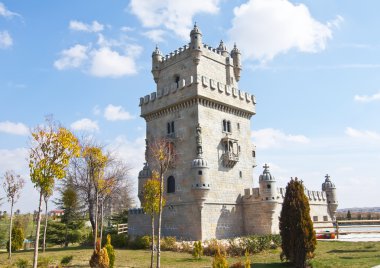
pixel 199 86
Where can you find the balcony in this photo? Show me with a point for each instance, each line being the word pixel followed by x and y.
pixel 230 159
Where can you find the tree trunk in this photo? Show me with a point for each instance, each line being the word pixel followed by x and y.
pixel 35 258
pixel 66 235
pixel 96 219
pixel 159 222
pixel 91 214
pixel 101 224
pixel 45 227
pixel 152 256
pixel 10 232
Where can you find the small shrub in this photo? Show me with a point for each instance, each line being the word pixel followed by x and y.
pixel 212 246
pixel 237 265
pixel 99 258
pixel 169 243
pixel 197 250
pixel 44 262
pixel 110 251
pixel 140 242
pixel 236 247
pixel 186 247
pixel 219 260
pixel 22 263
pixel 66 259
pixel 276 241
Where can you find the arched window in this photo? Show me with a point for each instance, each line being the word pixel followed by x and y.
pixel 171 185
pixel 228 126
pixel 177 80
pixel 224 125
pixel 168 127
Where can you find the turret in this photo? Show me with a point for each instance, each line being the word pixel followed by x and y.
pixel 156 61
pixel 196 44
pixel 236 57
pixel 267 182
pixel 222 49
pixel 199 167
pixel 332 200
pixel 144 175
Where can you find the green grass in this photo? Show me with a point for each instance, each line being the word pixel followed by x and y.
pixel 328 254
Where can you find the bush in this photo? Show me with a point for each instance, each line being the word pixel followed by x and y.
pixel 99 258
pixel 169 243
pixel 212 246
pixel 66 259
pixel 22 263
pixel 110 251
pixel 186 247
pixel 140 242
pixel 44 262
pixel 237 265
pixel 118 240
pixel 219 260
pixel 197 250
pixel 17 239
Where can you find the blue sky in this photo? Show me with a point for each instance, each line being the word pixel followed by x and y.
pixel 313 66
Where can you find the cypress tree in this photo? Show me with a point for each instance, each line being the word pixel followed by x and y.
pixel 296 228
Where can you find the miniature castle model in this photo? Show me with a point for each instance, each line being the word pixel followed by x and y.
pixel 200 108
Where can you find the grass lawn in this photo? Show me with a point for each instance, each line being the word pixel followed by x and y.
pixel 328 254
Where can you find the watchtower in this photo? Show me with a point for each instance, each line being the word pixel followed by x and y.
pixel 198 106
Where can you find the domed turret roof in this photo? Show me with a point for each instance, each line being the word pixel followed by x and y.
pixel 235 50
pixel 266 176
pixel 145 172
pixel 222 46
pixel 195 30
pixel 156 52
pixel 327 184
pixel 199 163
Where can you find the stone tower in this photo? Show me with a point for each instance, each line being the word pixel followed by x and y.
pixel 199 107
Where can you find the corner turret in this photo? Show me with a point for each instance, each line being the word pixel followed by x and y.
pixel 236 56
pixel 222 49
pixel 144 175
pixel 268 190
pixel 196 44
pixel 332 200
pixel 156 62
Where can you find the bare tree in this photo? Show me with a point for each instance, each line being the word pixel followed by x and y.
pixel 114 185
pixel 13 183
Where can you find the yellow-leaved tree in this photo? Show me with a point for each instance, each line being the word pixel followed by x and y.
pixel 151 203
pixel 52 146
pixel 162 156
pixel 96 163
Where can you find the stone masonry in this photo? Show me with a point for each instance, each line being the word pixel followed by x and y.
pixel 199 107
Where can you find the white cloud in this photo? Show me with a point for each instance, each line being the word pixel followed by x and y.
pixel 109 58
pixel 110 63
pixel 273 138
pixel 73 57
pixel 14 128
pixel 83 27
pixel 114 113
pixel 5 39
pixel 15 159
pixel 366 98
pixel 362 134
pixel 174 15
pixel 85 124
pixel 266 28
pixel 4 12
pixel 156 35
